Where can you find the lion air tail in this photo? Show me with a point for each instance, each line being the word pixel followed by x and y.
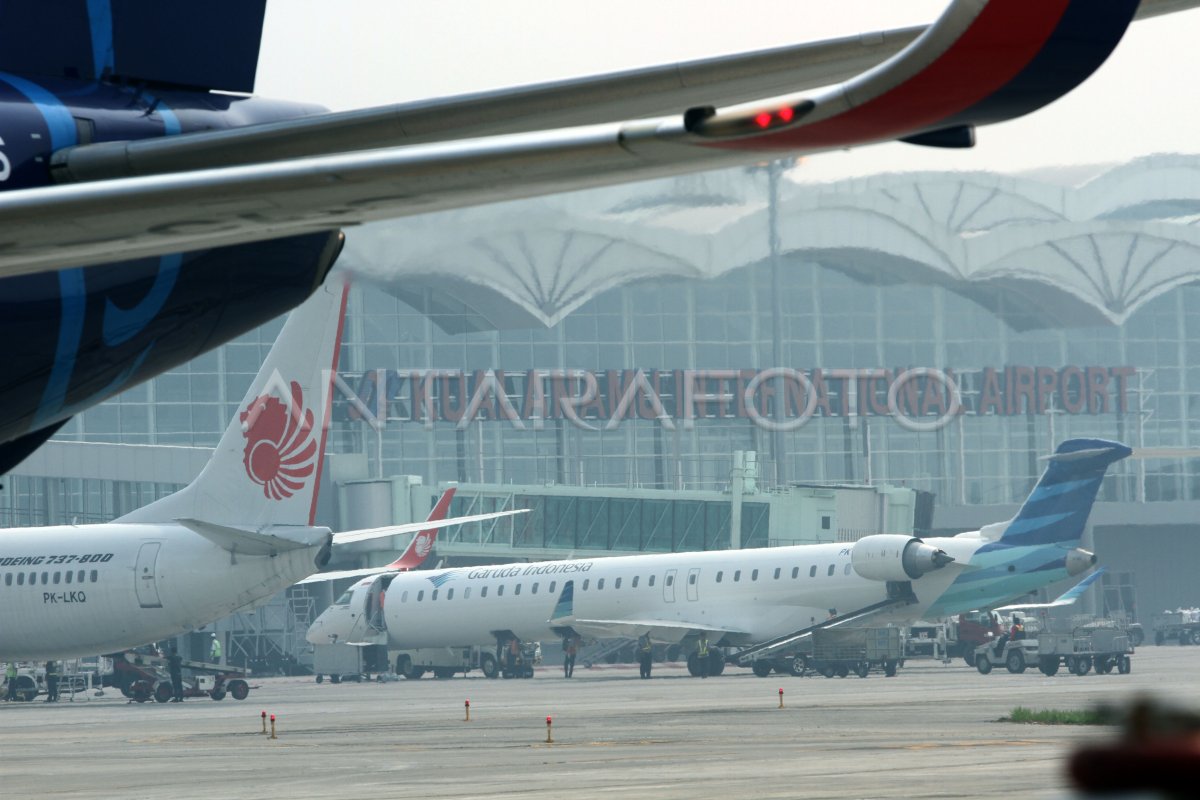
pixel 267 467
pixel 422 543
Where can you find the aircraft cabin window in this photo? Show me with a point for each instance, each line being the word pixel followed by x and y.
pixel 420 595
pixel 534 589
pixel 483 592
pixel 449 594
pixel 812 571
pixel 777 571
pixel 651 582
pixel 754 575
pixel 8 579
pixel 45 578
pixel 795 572
pixel 20 579
pixel 57 575
pixel 79 576
pixel 846 570
pixel 617 583
pixel 95 576
pixel 69 575
pixel 32 578
pixel 599 584
pixel 720 574
pixel 634 584
pixel 552 585
pixel 500 590
pixel 737 575
pixel 831 568
pixel 467 593
pixel 434 595
pixel 518 589
pixel 670 580
pixel 692 579
pixel 585 585
pixel 404 597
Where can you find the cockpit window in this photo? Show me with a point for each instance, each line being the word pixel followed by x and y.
pixel 344 600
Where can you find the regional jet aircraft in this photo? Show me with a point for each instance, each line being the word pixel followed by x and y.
pixel 242 531
pixel 765 600
pixel 128 142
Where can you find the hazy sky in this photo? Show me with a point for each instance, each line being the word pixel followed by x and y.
pixel 357 53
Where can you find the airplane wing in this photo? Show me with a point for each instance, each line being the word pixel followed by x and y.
pixel 349 537
pixel 1065 599
pixel 659 630
pixel 982 61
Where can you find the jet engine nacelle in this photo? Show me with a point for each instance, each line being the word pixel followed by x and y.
pixel 894 557
pixel 1078 560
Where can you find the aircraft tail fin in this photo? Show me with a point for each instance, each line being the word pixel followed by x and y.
pixel 422 542
pixel 209 45
pixel 1057 509
pixel 267 467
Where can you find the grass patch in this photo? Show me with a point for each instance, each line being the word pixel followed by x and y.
pixel 1050 716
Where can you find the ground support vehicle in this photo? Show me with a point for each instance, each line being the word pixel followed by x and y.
pixel 142 677
pixel 446 662
pixel 1182 626
pixel 929 640
pixel 348 662
pixel 839 652
pixel 1106 649
pixel 1015 654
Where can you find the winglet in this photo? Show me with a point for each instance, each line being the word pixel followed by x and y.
pixel 422 542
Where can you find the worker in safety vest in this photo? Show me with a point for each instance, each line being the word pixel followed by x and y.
pixel 10 677
pixel 702 655
pixel 214 650
pixel 570 649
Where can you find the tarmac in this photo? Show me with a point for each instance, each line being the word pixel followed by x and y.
pixel 932 731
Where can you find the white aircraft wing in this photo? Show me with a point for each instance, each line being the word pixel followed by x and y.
pixel 982 61
pixel 346 573
pixel 1065 599
pixel 348 537
pixel 659 630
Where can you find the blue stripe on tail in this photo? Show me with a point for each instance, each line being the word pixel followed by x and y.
pixel 1057 509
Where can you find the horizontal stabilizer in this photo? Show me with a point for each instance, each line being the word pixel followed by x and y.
pixel 251 543
pixel 346 573
pixel 349 537
pixel 1067 598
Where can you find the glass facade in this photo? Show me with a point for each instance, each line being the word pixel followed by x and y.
pixel 826 321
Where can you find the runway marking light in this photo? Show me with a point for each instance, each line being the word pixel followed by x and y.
pixel 264 722
pixel 549 738
pixel 781 697
pixel 273 736
pixel 467 706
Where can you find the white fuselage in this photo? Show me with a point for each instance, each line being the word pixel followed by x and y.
pixel 753 594
pixel 80 590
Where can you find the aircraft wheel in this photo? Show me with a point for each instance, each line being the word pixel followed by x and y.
pixel 488 665
pixel 320 678
pixel 1015 662
pixel 239 689
pixel 163 692
pixel 862 668
pixel 693 665
pixel 842 671
pixel 716 662
pixel 27 688
pixel 983 664
pixel 1048 666
pixel 1124 665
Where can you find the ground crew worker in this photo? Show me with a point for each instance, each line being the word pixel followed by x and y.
pixel 1017 631
pixel 702 655
pixel 570 648
pixel 514 655
pixel 175 666
pixel 10 676
pixel 51 682
pixel 214 650
pixel 645 654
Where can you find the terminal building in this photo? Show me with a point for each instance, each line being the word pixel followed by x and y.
pixel 733 359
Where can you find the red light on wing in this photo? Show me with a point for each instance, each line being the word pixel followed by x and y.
pixel 762 120
pixel 786 114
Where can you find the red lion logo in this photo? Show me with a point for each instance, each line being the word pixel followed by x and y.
pixel 279 444
pixel 423 544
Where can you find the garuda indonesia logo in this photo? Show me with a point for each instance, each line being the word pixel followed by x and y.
pixel 280 446
pixel 439 579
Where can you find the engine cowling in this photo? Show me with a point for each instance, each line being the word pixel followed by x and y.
pixel 1079 560
pixel 894 557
